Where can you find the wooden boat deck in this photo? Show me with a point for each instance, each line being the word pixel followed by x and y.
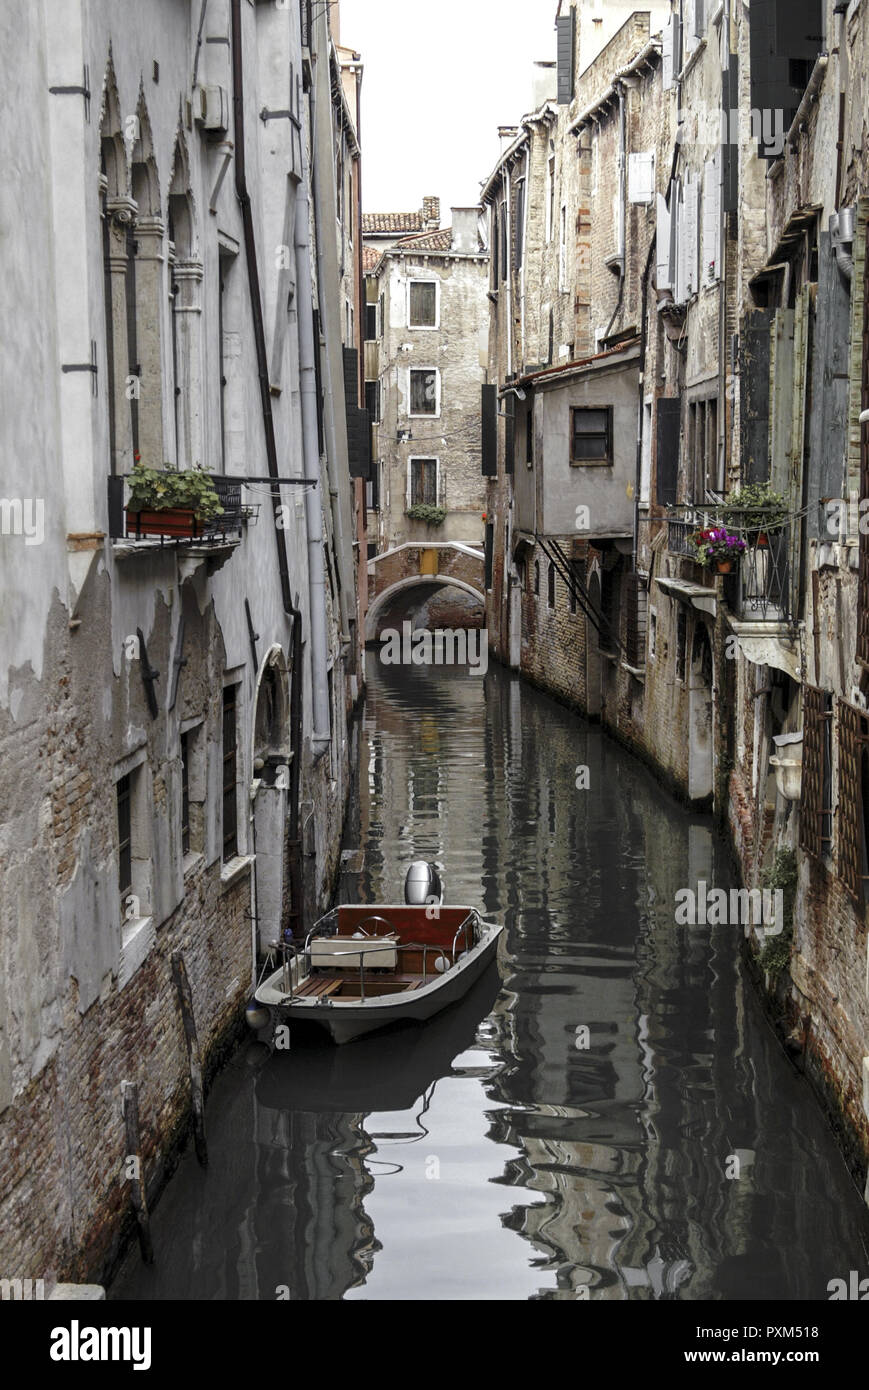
pixel 345 986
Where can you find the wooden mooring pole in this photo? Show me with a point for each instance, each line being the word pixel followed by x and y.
pixel 185 1000
pixel 133 1168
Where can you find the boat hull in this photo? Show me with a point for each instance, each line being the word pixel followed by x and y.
pixel 345 1022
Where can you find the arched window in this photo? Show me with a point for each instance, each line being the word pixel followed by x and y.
pixel 185 318
pixel 146 314
pixel 551 590
pixel 537 578
pixel 118 212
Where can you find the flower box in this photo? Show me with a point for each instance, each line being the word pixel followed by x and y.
pixel 172 521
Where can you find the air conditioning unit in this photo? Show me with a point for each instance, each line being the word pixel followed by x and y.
pixel 211 108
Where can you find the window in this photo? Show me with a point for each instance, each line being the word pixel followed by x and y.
pixel 703 471
pixel 230 773
pixel 372 400
pixel 536 578
pixel 550 198
pixel 519 225
pixel 185 793
pixel 425 392
pixel 496 245
pixel 681 642
pixel 550 594
pixel 123 793
pixel 853 830
pixel 370 322
pixel 423 304
pixel 504 246
pixel 653 634
pixel 423 482
pixel 591 436
pixel 562 252
pixel 529 436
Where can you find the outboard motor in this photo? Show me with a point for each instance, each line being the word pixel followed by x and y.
pixel 422 885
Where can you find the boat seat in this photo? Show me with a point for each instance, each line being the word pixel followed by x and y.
pixel 319 988
pixel 347 953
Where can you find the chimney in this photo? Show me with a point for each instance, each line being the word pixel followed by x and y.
pixel 431 214
pixel 465 234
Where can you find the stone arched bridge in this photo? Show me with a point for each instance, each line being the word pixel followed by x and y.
pixel 408 566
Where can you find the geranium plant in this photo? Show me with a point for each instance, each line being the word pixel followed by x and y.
pixel 168 489
pixel 716 544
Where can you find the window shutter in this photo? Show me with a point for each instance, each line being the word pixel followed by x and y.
pixel 691 234
pixel 641 177
pixel 490 431
pixel 510 433
pixel 358 421
pixel 566 28
pixel 729 151
pixel 711 220
pixel 667 71
pixel 689 19
pixel 754 394
pixel 667 452
pixel 664 272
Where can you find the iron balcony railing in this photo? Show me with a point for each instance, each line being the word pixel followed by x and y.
pixel 124 525
pixel 764 572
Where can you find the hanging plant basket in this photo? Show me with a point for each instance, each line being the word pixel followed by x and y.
pixel 762 540
pixel 723 566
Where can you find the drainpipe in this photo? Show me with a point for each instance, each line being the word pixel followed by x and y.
pixel 623 135
pixel 256 297
pixel 721 442
pixel 326 220
pixel 642 402
pixel 308 348
pixel 508 238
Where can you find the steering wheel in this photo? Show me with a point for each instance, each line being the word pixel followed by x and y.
pixel 360 926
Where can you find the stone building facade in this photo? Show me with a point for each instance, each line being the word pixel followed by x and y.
pixel 427 356
pixel 173 712
pixel 725 291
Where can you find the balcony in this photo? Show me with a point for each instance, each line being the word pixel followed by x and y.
pixel 133 531
pixel 762 588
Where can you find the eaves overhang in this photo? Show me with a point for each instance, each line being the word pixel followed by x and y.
pixel 694 595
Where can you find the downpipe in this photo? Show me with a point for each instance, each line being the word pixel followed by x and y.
pixel 321 737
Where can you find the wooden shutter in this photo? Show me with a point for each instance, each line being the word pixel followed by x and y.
pixel 730 151
pixel 691 234
pixel 815 717
pixel 490 431
pixel 641 177
pixel 852 737
pixel 566 28
pixel 711 220
pixel 669 414
pixel 358 421
pixel 754 354
pixel 668 36
pixel 664 269
pixel 828 418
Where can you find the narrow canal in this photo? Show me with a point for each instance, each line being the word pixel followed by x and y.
pixel 491 1154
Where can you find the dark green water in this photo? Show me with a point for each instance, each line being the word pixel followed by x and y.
pixel 487 1155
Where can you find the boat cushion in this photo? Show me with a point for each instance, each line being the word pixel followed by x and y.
pixel 342 953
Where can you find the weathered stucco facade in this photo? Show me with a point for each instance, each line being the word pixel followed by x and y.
pixel 173 714
pixel 691 201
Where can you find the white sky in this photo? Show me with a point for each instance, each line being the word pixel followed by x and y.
pixel 440 77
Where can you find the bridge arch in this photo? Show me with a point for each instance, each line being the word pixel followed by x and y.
pixel 443 581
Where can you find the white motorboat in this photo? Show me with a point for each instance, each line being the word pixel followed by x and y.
pixel 364 967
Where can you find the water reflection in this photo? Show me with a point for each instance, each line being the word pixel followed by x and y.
pixel 492 1154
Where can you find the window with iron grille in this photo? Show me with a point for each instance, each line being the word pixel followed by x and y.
pixel 853 804
pixel 230 772
pixel 591 436
pixel 423 304
pixel 424 392
pixel 123 794
pixel 423 482
pixel 816 794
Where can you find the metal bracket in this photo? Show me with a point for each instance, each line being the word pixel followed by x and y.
pixel 84 366
pixel 149 675
pixel 177 662
pixel 267 115
pixel 83 91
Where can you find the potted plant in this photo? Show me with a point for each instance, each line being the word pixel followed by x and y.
pixel 166 502
pixel 716 546
pixel 427 512
pixel 757 509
